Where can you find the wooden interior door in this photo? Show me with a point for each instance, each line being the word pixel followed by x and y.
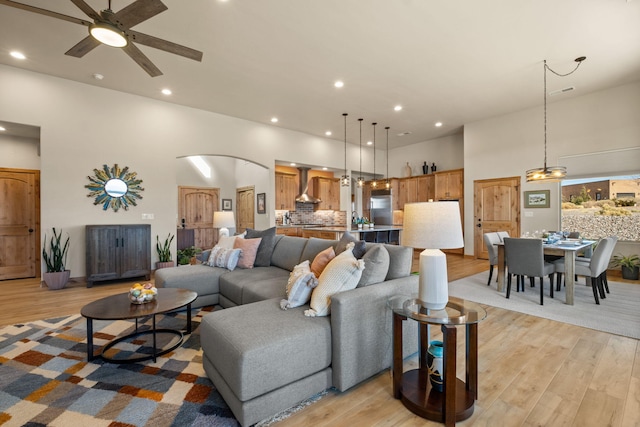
pixel 195 209
pixel 496 208
pixel 19 223
pixel 245 198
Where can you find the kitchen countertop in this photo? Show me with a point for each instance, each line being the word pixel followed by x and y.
pixel 343 228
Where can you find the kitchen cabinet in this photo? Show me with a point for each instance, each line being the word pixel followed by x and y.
pixel 448 185
pixel 415 189
pixel 289 231
pixel 117 252
pixel 286 191
pixel 366 200
pixel 327 190
pixel 329 235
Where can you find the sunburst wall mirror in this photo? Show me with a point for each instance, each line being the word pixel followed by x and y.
pixel 114 187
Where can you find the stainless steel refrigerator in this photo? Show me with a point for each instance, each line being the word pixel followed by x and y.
pixel 381 207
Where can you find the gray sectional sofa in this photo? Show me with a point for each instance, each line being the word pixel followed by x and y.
pixel 263 359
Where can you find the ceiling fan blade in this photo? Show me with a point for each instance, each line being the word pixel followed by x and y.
pixel 85 46
pixel 139 11
pixel 88 10
pixel 165 45
pixel 45 12
pixel 141 59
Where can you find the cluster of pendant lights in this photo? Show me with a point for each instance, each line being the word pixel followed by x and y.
pixel 345 180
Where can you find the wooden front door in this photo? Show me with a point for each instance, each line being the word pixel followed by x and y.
pixel 19 223
pixel 245 198
pixel 496 208
pixel 195 209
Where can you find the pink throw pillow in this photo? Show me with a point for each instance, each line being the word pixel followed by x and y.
pixel 249 249
pixel 321 260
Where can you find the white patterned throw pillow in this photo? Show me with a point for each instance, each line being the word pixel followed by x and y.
pixel 223 257
pixel 341 274
pixel 299 286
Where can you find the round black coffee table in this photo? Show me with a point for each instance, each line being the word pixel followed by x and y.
pixel 118 307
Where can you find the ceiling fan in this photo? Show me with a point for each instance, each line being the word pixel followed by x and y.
pixel 114 29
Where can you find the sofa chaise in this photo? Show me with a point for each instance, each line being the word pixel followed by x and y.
pixel 263 359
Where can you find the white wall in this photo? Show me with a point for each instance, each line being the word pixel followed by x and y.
pixel 446 153
pixel 250 174
pixel 19 153
pixel 508 145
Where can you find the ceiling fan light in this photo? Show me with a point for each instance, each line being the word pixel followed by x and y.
pixel 108 34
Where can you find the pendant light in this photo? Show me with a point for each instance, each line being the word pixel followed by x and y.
pixel 387 183
pixel 549 173
pixel 374 183
pixel 345 181
pixel 360 178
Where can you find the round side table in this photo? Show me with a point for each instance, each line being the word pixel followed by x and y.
pixel 456 401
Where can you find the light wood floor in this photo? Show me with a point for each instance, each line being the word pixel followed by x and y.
pixel 533 371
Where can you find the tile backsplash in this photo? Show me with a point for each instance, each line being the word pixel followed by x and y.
pixel 304 214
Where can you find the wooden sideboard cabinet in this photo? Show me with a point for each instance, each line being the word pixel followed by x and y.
pixel 117 252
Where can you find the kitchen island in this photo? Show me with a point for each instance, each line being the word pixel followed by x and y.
pixel 335 232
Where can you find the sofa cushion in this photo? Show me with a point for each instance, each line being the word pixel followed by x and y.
pixel 249 249
pixel 299 286
pixel 233 283
pixel 359 245
pixel 263 257
pixel 376 265
pixel 321 260
pixel 342 274
pixel 400 261
pixel 199 278
pixel 261 290
pixel 227 241
pixel 223 257
pixel 287 252
pixel 259 348
pixel 314 246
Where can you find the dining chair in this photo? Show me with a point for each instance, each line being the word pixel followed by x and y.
pixel 502 235
pixel 525 257
pixel 490 241
pixel 608 256
pixel 594 269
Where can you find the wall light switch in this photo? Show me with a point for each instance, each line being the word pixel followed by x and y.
pixel 528 213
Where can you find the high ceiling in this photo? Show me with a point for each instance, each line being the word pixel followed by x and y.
pixel 454 61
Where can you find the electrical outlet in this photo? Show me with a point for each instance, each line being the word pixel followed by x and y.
pixel 147 216
pixel 528 213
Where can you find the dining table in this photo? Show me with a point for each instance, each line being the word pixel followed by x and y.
pixel 567 248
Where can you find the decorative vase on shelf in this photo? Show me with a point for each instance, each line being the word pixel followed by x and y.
pixel 435 364
pixel 425 168
pixel 433 167
pixel 407 170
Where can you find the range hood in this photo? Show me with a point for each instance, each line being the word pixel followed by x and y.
pixel 304 196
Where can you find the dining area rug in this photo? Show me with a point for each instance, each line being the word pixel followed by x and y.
pixel 45 379
pixel 618 314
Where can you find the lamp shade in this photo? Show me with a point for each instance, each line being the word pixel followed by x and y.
pixel 432 225
pixel 223 219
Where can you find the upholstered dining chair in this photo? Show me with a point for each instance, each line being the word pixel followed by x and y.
pixel 490 241
pixel 502 235
pixel 525 257
pixel 595 269
pixel 587 261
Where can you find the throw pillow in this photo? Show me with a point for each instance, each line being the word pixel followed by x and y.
pixel 321 260
pixel 249 249
pixel 299 286
pixel 359 248
pixel 268 236
pixel 223 257
pixel 341 274
pixel 376 265
pixel 227 241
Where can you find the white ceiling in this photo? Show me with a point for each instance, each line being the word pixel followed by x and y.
pixel 455 61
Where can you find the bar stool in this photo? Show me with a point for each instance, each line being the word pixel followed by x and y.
pixel 394 237
pixel 369 236
pixel 382 236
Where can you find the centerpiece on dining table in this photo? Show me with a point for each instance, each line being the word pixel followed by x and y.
pixel 142 293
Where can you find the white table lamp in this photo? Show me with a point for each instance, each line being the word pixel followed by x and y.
pixel 223 220
pixel 433 226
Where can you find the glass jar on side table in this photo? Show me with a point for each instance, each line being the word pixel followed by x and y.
pixel 456 400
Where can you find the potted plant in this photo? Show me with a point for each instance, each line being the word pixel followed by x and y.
pixel 630 265
pixel 164 252
pixel 188 255
pixel 55 258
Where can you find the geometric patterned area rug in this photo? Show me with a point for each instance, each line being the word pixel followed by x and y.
pixel 45 379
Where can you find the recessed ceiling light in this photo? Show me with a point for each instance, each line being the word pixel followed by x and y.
pixel 369 142
pixel 17 55
pixel 166 91
pixel 292 164
pixel 397 107
pixel 274 120
pixel 2 129
pixel 438 124
pixel 328 133
pixel 339 83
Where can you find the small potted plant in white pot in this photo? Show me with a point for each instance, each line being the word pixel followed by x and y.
pixel 630 265
pixel 164 252
pixel 54 254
